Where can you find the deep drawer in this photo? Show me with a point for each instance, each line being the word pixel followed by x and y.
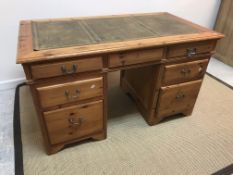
pixel 74 122
pixel 190 50
pixel 178 73
pixel 69 92
pixel 135 57
pixel 47 70
pixel 178 98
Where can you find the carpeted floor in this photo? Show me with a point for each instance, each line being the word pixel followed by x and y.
pixel 200 144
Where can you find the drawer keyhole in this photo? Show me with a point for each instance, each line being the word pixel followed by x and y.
pixel 180 96
pixel 185 71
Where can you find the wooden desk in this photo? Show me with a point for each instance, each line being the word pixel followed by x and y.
pixel 162 59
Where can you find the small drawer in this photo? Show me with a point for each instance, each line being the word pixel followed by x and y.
pixel 66 67
pixel 135 57
pixel 69 92
pixel 178 73
pixel 190 50
pixel 178 98
pixel 74 122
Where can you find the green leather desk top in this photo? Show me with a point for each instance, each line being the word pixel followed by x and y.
pixel 78 32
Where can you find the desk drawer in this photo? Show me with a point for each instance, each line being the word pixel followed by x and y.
pixel 190 49
pixel 69 92
pixel 74 122
pixel 66 67
pixel 178 73
pixel 179 98
pixel 135 57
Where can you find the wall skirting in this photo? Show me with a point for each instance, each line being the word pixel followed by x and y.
pixel 9 84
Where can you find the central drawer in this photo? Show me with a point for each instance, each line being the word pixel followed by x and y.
pixel 69 92
pixel 74 122
pixel 135 57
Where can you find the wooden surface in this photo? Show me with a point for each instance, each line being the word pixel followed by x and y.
pixel 179 98
pixel 26 52
pixel 162 59
pixel 74 122
pixel 224 24
pixel 179 73
pixel 57 34
pixel 69 92
pixel 135 57
pixel 66 67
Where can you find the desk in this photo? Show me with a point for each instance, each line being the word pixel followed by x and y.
pixel 162 59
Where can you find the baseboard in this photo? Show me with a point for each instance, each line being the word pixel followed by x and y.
pixel 10 84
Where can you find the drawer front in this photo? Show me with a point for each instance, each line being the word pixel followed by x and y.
pixel 135 57
pixel 69 92
pixel 74 122
pixel 191 49
pixel 178 73
pixel 66 67
pixel 178 98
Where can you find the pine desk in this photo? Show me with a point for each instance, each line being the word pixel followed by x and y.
pixel 162 59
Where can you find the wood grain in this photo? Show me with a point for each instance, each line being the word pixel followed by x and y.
pixel 29 55
pixel 179 73
pixel 69 92
pixel 74 122
pixel 47 70
pixel 180 50
pixel 135 57
pixel 69 84
pixel 179 98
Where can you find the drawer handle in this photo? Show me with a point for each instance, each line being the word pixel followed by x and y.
pixel 69 96
pixel 185 71
pixel 75 122
pixel 73 70
pixel 180 96
pixel 191 52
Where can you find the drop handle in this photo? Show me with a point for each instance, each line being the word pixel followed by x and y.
pixel 70 96
pixel 73 69
pixel 75 122
pixel 191 52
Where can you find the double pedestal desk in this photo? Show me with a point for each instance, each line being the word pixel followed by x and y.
pixel 162 59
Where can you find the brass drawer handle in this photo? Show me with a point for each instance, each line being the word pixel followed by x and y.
pixel 70 96
pixel 75 122
pixel 191 52
pixel 185 71
pixel 73 70
pixel 180 96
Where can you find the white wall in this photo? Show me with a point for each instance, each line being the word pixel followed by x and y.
pixel 202 12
